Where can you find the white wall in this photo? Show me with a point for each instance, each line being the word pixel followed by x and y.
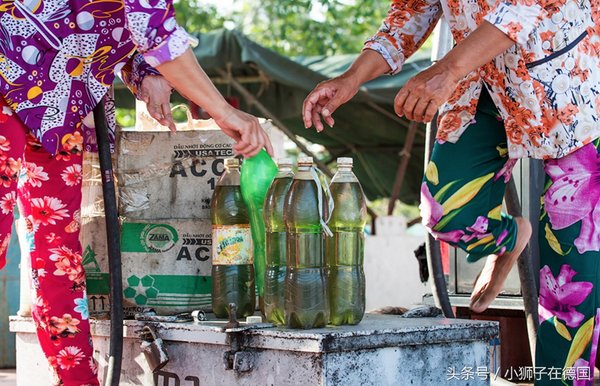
pixel 391 269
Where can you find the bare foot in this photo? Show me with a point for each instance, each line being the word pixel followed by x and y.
pixel 496 269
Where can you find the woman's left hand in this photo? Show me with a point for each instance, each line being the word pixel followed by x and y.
pixel 422 95
pixel 156 92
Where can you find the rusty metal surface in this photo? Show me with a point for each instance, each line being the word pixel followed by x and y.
pixel 376 331
pixel 381 350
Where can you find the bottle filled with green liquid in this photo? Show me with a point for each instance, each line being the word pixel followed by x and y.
pixel 345 250
pixel 276 243
pixel 305 286
pixel 232 265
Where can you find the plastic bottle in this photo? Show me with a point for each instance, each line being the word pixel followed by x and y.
pixel 305 287
pixel 345 250
pixel 276 243
pixel 232 269
pixel 256 177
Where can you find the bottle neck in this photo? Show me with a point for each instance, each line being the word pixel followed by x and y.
pixel 231 177
pixel 344 174
pixel 285 172
pixel 304 172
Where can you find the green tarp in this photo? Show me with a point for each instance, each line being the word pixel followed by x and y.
pixel 372 138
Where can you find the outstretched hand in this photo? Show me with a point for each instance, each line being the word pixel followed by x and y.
pixel 325 99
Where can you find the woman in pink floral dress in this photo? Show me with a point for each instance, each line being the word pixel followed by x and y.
pixel 57 60
pixel 522 81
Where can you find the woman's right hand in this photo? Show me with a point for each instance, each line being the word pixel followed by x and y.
pixel 245 129
pixel 325 99
pixel 187 77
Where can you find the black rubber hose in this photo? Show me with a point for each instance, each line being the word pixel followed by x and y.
pixel 114 248
pixel 432 246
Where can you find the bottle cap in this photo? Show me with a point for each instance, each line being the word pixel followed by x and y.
pixel 253 319
pixel 232 163
pixel 305 161
pixel 344 161
pixel 284 162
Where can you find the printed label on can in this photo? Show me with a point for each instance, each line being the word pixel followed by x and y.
pixel 232 245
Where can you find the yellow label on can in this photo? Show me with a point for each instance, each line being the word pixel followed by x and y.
pixel 232 245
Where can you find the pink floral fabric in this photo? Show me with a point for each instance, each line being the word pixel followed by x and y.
pixel 48 191
pixel 546 87
pixel 561 294
pixel 574 195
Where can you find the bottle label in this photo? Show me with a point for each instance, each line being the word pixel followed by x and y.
pixel 232 245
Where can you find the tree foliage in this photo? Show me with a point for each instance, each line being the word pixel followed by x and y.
pixel 314 27
pixel 292 27
pixel 197 16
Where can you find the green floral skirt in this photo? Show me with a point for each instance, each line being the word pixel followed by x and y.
pixel 461 204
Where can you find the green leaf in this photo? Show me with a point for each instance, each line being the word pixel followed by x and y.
pixel 496 213
pixel 431 173
pixel 562 329
pixel 445 220
pixel 553 241
pixel 580 342
pixel 440 194
pixel 465 194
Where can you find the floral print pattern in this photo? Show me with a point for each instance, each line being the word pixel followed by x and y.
pixel 72 175
pixel 431 213
pixel 48 193
pixel 546 87
pixel 455 197
pixel 569 310
pixel 69 357
pixel 453 194
pixel 560 295
pixel 574 195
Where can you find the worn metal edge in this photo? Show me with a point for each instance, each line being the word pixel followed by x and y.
pixel 324 341
pixel 410 332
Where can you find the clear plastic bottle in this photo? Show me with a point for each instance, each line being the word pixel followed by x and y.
pixel 305 286
pixel 345 250
pixel 276 243
pixel 232 269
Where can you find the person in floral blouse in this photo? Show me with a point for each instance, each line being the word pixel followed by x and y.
pixel 522 81
pixel 57 60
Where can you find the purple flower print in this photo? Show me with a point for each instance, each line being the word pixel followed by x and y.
pixel 583 377
pixel 431 213
pixel 506 170
pixel 501 237
pixel 499 241
pixel 478 230
pixel 559 296
pixel 574 195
